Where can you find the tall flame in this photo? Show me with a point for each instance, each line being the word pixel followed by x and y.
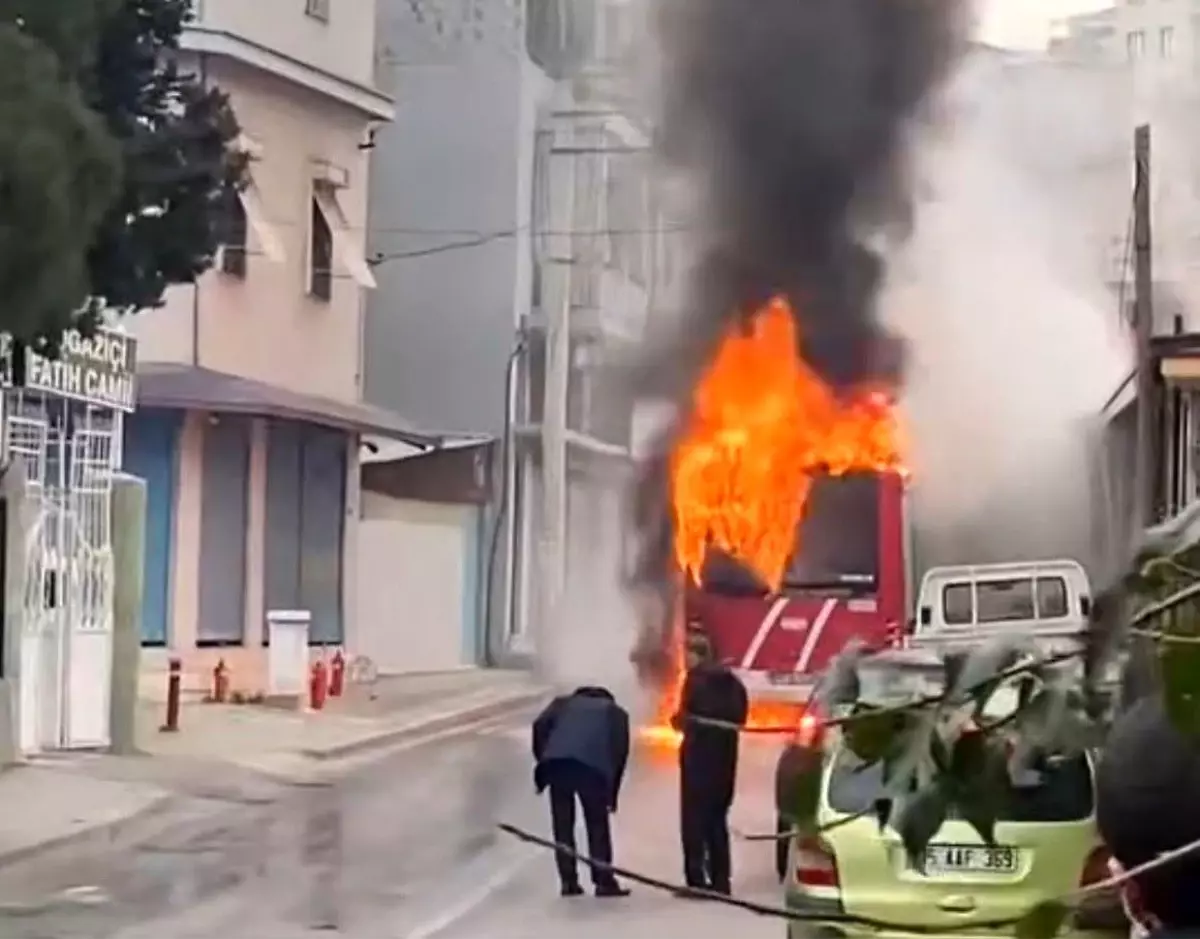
pixel 763 424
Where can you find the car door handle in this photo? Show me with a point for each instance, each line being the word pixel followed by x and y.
pixel 957 904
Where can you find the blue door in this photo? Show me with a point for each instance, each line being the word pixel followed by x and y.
pixel 151 441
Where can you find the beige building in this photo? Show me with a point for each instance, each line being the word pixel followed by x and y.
pixel 250 382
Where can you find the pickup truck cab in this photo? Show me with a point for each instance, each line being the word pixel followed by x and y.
pixel 1049 601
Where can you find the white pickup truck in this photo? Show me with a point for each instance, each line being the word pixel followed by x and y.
pixel 1046 601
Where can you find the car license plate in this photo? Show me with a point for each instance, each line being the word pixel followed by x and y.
pixel 787 678
pixel 970 859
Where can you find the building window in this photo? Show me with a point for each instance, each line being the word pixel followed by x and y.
pixel 560 34
pixel 627 210
pixel 233 236
pixel 317 9
pixel 1166 42
pixel 1135 45
pixel 330 236
pixel 320 254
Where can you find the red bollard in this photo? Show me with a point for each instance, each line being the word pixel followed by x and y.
pixel 174 683
pixel 318 686
pixel 337 675
pixel 220 692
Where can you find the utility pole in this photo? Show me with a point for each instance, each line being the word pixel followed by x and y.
pixel 1143 325
pixel 556 302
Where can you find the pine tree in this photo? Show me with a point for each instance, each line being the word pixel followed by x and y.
pixel 59 173
pixel 177 139
pixel 114 163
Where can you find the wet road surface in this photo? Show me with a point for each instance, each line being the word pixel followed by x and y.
pixel 404 847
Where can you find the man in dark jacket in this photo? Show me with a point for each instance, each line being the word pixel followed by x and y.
pixel 581 745
pixel 708 765
pixel 1148 804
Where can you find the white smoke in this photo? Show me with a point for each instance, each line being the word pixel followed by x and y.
pixel 1015 336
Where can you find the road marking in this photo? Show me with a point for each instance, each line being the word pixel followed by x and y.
pixel 764 629
pixel 475 898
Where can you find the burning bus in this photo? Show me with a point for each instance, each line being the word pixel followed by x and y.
pixel 788 518
pixel 845 580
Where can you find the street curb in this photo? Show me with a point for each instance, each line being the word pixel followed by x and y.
pixel 104 831
pixel 440 723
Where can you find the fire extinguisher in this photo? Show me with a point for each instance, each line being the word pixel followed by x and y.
pixel 318 685
pixel 220 691
pixel 337 675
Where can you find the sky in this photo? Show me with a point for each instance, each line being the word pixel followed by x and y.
pixel 1026 23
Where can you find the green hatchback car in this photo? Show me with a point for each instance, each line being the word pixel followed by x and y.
pixel 1047 846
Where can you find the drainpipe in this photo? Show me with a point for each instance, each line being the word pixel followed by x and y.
pixel 202 74
pixel 507 484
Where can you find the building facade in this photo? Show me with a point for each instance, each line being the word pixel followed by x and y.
pixel 250 381
pixel 497 98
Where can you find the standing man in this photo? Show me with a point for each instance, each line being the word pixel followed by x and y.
pixel 581 745
pixel 707 765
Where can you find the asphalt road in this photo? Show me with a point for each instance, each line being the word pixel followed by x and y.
pixel 403 847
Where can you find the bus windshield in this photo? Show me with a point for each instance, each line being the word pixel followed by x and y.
pixel 837 543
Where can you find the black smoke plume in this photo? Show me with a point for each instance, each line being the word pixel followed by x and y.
pixel 792 119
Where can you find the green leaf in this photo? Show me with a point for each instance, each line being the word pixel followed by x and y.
pixel 1027 685
pixel 798 786
pixel 952 667
pixel 918 820
pixel 911 760
pixel 984 666
pixel 873 733
pixel 1043 921
pixel 1181 683
pixel 840 684
pixel 1040 722
pixel 883 812
pixel 977 782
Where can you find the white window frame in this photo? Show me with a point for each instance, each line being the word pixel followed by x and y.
pixel 1166 42
pixel 1135 44
pixel 347 247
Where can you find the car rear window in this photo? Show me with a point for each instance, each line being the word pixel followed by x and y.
pixel 1060 792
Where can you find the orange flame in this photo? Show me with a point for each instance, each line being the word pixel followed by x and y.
pixel 763 425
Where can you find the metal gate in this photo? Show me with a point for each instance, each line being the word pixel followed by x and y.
pixel 70 453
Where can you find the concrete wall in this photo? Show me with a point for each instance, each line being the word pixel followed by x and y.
pixel 343 45
pixel 265 326
pixel 452 177
pixel 421 562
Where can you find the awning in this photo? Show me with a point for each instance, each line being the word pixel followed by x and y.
pixel 256 218
pixel 172 385
pixel 346 247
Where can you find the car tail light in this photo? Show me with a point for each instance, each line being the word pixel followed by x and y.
pixel 809 731
pixel 1095 869
pixel 815 864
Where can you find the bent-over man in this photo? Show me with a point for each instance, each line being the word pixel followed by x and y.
pixel 581 745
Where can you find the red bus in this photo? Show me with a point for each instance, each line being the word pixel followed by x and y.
pixel 847 580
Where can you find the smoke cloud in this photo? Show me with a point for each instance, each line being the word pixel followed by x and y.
pixel 1015 337
pixel 791 120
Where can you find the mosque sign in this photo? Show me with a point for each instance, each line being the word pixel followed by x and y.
pixel 99 370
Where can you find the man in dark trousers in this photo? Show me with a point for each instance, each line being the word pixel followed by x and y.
pixel 581 745
pixel 707 765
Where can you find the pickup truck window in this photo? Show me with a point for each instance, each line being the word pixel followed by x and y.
pixel 958 604
pixel 1004 600
pixel 1052 598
